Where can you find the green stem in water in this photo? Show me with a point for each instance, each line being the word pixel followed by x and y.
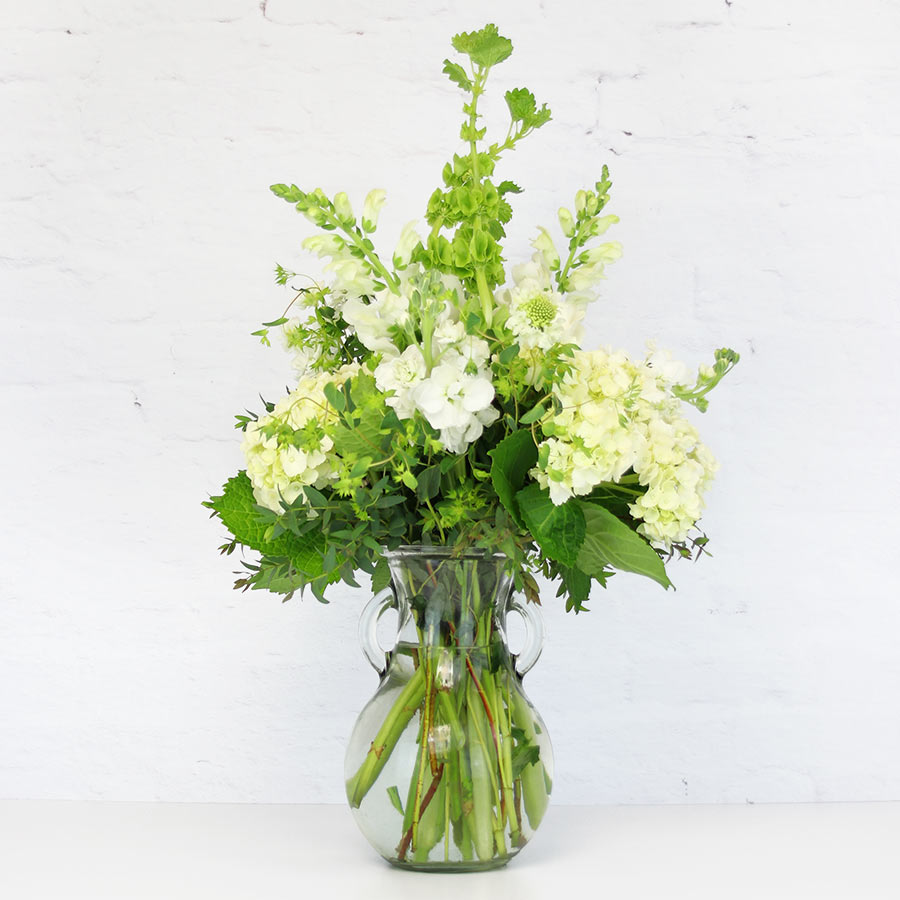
pixel 393 726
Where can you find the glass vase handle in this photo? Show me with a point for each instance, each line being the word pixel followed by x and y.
pixel 534 635
pixel 368 628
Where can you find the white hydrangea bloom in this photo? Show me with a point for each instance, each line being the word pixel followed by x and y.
pixel 289 448
pixel 618 415
pixel 676 469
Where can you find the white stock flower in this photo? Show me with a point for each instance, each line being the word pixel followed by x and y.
pixel 401 374
pixel 456 403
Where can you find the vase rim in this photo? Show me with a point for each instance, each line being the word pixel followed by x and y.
pixel 440 551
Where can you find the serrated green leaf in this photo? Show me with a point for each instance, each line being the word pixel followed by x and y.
pixel 511 460
pixel 457 74
pixel 508 187
pixel 524 755
pixel 521 103
pixel 239 512
pixel 485 47
pixel 559 530
pixel 576 585
pixel 381 577
pixel 610 542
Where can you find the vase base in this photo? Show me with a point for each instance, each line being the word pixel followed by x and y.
pixel 471 865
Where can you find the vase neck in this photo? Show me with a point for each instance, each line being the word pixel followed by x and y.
pixel 454 602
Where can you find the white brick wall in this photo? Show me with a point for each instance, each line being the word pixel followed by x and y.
pixel 755 148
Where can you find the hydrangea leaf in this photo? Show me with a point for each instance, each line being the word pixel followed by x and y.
pixel 511 460
pixel 610 542
pixel 559 530
pixel 239 512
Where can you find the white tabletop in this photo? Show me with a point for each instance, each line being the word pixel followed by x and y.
pixel 170 851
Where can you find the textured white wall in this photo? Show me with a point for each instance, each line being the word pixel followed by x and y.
pixel 755 148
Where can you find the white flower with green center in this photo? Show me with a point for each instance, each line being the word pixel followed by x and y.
pixel 290 448
pixel 540 318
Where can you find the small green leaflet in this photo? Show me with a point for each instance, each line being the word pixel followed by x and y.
pixel 429 482
pixel 559 530
pixel 394 797
pixel 609 542
pixel 457 74
pixel 523 108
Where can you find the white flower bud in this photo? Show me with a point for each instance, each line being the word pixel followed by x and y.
pixel 371 208
pixel 566 221
pixel 580 202
pixel 343 209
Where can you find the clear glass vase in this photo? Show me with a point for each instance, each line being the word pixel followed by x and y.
pixel 449 766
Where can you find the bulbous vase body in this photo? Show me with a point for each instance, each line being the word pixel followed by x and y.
pixel 449 765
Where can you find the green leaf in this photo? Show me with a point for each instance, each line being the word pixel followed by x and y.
pixel 508 354
pixel 610 542
pixel 239 512
pixel 457 74
pixel 524 755
pixel 381 577
pixel 486 47
pixel 577 588
pixel 534 413
pixel 511 460
pixel 394 797
pixel 559 530
pixel 508 187
pixel 429 482
pixel 521 103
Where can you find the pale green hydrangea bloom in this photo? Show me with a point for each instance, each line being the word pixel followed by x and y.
pixel 290 448
pixel 618 415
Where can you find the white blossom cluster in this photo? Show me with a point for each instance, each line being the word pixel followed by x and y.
pixel 290 448
pixel 455 397
pixel 617 415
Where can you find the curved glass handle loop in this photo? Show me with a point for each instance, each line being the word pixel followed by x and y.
pixel 368 628
pixel 534 635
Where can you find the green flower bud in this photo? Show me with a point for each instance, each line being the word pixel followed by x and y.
pixel 566 221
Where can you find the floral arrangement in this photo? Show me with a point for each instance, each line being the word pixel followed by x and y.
pixel 440 402
pixel 443 401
